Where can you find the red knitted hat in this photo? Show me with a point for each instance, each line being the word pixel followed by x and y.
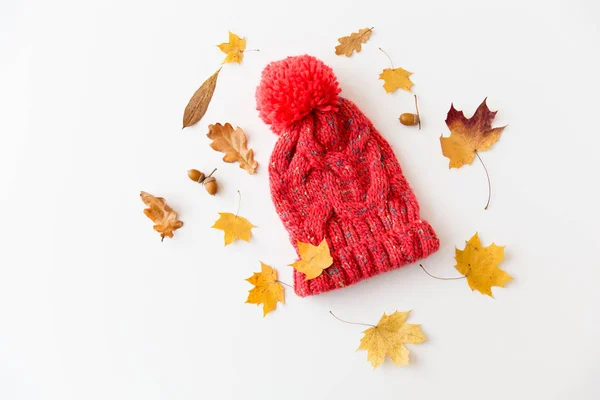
pixel 334 177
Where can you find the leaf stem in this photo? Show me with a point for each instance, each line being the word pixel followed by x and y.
pixel 388 56
pixel 250 50
pixel 442 279
pixel 348 322
pixel 418 115
pixel 239 203
pixel 488 179
pixel 283 283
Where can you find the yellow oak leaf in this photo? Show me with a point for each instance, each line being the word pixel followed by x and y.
pixel 234 226
pixel 469 135
pixel 267 291
pixel 388 338
pixel 161 214
pixel 234 49
pixel 397 78
pixel 313 259
pixel 233 143
pixel 352 43
pixel 480 265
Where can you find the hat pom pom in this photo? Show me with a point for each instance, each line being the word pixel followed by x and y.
pixel 292 88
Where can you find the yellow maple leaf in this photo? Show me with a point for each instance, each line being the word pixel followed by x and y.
pixel 388 338
pixel 352 43
pixel 469 135
pixel 396 78
pixel 267 291
pixel 234 49
pixel 234 226
pixel 313 259
pixel 480 265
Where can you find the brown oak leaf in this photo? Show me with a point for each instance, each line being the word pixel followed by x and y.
pixel 233 143
pixel 163 216
pixel 352 43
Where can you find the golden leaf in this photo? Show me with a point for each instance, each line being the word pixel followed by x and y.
pixel 234 226
pixel 198 104
pixel 352 43
pixel 388 338
pixel 233 144
pixel 267 291
pixel 397 78
pixel 480 265
pixel 469 135
pixel 163 216
pixel 234 49
pixel 313 259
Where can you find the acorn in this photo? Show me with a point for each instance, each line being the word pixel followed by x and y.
pixel 410 119
pixel 209 182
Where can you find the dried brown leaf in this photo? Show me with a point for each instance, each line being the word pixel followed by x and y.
pixel 352 43
pixel 163 216
pixel 233 143
pixel 198 104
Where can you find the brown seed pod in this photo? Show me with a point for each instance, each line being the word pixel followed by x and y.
pixel 209 183
pixel 410 119
pixel 196 175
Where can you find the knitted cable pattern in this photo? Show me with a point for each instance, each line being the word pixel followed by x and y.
pixel 334 177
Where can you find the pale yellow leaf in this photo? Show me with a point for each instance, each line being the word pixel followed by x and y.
pixel 267 291
pixel 234 227
pixel 397 78
pixel 388 338
pixel 480 265
pixel 234 49
pixel 313 259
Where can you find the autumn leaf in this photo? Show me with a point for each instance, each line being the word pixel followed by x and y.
pixel 198 104
pixel 233 143
pixel 234 49
pixel 234 226
pixel 267 291
pixel 469 135
pixel 396 78
pixel 388 338
pixel 352 43
pixel 313 259
pixel 163 216
pixel 480 265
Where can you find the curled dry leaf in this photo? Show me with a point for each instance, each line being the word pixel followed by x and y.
pixel 396 78
pixel 388 338
pixel 480 265
pixel 198 104
pixel 352 43
pixel 161 214
pixel 234 226
pixel 313 259
pixel 267 291
pixel 469 135
pixel 234 49
pixel 233 143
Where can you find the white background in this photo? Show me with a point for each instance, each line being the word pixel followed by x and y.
pixel 93 306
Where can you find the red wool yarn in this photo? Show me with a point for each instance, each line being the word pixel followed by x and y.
pixel 334 177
